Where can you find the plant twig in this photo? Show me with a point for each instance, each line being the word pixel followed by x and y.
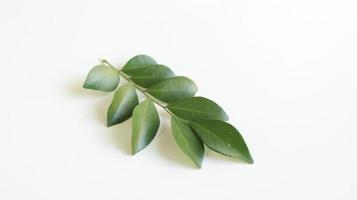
pixel 126 77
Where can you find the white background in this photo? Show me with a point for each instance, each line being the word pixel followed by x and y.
pixel 284 70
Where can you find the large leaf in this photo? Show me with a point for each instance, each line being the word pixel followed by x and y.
pixel 146 122
pixel 185 138
pixel 124 101
pixel 103 78
pixel 147 75
pixel 222 138
pixel 138 61
pixel 197 108
pixel 173 89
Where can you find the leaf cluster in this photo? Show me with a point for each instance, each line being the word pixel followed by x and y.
pixel 196 121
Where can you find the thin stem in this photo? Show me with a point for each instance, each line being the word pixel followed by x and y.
pixel 126 77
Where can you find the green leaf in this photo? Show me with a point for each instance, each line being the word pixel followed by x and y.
pixel 145 122
pixel 173 89
pixel 139 60
pixel 185 138
pixel 124 101
pixel 103 78
pixel 197 108
pixel 222 138
pixel 147 75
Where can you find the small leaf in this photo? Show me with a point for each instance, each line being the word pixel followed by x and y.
pixel 186 139
pixel 124 101
pixel 173 89
pixel 103 78
pixel 147 75
pixel 139 60
pixel 222 138
pixel 197 108
pixel 145 124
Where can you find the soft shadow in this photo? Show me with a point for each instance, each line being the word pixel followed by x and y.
pixel 101 107
pixel 167 146
pixel 75 89
pixel 121 136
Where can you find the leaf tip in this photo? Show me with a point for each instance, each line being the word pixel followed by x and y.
pixel 110 123
pixel 135 150
pixel 198 164
pixel 225 117
pixel 87 85
pixel 249 160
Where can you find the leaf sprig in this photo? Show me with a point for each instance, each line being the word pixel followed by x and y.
pixel 195 121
